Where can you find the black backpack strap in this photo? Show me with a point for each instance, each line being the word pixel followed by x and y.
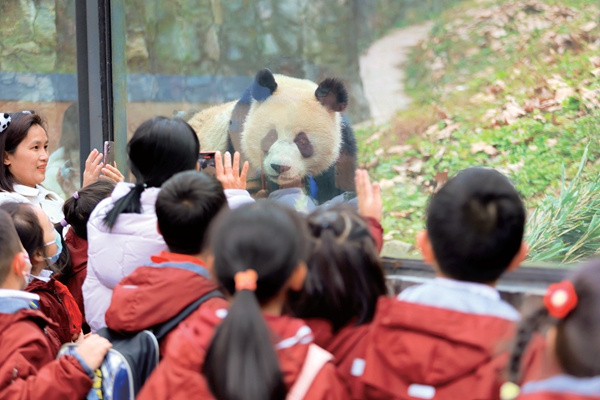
pixel 161 330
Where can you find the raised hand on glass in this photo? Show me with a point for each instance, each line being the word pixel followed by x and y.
pixel 369 196
pixel 229 173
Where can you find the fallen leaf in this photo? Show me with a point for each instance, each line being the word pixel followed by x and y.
pixel 551 142
pixel 588 27
pixel 532 147
pixel 399 149
pixel 497 87
pixel 532 104
pixel 415 166
pixel 441 177
pixel 447 131
pixel 563 94
pixel 482 98
pixel 440 153
pixel 483 147
pixel 543 93
pixel 595 60
pixel 488 115
pixel 379 152
pixel 401 214
pixel 596 72
pixel 511 111
pixel 374 137
pixel 432 129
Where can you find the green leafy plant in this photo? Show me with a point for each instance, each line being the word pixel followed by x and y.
pixel 567 228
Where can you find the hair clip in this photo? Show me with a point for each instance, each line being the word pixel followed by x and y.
pixel 246 280
pixel 76 195
pixel 64 223
pixel 560 299
pixel 4 121
pixel 27 112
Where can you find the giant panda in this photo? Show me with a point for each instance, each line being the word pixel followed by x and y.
pixel 292 131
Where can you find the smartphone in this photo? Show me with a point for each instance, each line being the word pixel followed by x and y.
pixel 207 162
pixel 109 153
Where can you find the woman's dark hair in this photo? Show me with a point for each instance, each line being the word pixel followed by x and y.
pixel 185 207
pixel 77 210
pixel 159 148
pixel 475 224
pixel 577 347
pixel 241 362
pixel 345 277
pixel 11 138
pixel 28 227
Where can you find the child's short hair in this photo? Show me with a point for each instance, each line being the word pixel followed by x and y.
pixel 185 206
pixel 10 244
pixel 475 224
pixel 27 225
pixel 77 209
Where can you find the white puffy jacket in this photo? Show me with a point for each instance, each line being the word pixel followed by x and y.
pixel 112 255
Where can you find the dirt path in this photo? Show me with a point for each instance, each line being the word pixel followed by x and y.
pixel 382 74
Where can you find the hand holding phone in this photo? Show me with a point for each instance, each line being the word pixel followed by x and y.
pixel 109 152
pixel 207 162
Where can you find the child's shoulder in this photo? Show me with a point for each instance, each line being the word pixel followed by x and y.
pixel 23 328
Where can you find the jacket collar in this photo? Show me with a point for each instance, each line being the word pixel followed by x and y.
pixel 166 256
pixel 27 191
pixel 12 301
pixel 565 384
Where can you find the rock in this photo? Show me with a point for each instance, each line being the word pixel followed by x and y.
pixel 395 249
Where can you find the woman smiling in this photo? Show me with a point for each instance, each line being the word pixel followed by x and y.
pixel 24 155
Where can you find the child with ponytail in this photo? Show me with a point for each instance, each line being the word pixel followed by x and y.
pixel 255 352
pixel 571 367
pixel 77 210
pixel 345 277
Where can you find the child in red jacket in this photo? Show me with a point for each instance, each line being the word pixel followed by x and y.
pixel 170 281
pixel 28 369
pixel 446 339
pixel 41 240
pixel 256 352
pixel 571 367
pixel 77 210
pixel 345 278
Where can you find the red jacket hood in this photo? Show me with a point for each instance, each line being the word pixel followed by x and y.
pixel 151 296
pixel 433 346
pixel 191 341
pixel 78 248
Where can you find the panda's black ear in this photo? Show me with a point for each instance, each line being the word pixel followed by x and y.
pixel 332 94
pixel 264 85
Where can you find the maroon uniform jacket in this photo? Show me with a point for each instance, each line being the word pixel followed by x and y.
pixel 28 369
pixel 78 249
pixel 57 303
pixel 178 376
pixel 158 292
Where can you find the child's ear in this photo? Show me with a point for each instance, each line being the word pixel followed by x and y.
pixel 298 277
pixel 19 264
pixel 158 229
pixel 38 258
pixel 425 247
pixel 519 257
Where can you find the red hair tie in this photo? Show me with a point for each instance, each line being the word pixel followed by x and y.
pixel 560 299
pixel 246 280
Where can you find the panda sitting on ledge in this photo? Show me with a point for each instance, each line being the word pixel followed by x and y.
pixel 301 149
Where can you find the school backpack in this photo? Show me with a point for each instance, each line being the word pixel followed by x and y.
pixel 132 358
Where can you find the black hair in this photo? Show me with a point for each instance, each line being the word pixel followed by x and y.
pixel 185 206
pixel 77 211
pixel 10 139
pixel 475 224
pixel 10 244
pixel 345 277
pixel 577 348
pixel 28 227
pixel 159 148
pixel 241 362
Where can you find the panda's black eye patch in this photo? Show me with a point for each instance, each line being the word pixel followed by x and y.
pixel 268 140
pixel 304 145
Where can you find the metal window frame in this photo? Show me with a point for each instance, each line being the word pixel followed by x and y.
pixel 101 77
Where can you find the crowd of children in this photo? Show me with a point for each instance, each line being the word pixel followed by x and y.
pixel 286 306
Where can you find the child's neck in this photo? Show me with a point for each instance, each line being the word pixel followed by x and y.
pixel 275 305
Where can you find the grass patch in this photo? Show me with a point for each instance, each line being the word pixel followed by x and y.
pixel 512 85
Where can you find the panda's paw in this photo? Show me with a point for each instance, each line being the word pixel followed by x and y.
pixel 265 78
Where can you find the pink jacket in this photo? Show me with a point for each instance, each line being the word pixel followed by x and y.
pixel 113 255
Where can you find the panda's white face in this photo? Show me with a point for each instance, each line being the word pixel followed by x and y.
pixel 291 135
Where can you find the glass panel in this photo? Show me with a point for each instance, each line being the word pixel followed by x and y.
pixel 433 86
pixel 38 72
